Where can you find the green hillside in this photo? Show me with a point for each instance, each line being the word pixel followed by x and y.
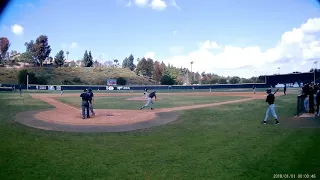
pixel 74 75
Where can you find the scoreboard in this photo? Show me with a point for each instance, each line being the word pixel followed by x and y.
pixel 111 82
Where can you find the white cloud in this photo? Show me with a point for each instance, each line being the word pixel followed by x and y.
pixel 158 5
pixel 149 55
pixel 296 50
pixel 73 45
pixel 68 47
pixel 177 49
pixel 174 4
pixel 209 45
pixel 141 3
pixel 17 29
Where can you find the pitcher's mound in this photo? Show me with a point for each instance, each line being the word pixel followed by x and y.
pixel 138 99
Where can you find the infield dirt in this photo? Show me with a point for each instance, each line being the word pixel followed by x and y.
pixel 67 118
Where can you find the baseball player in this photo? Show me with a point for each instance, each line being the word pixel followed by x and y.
pixel 20 91
pixel 311 100
pixel 61 90
pixel 149 100
pixel 254 89
pixel 91 101
pixel 145 93
pixel 285 89
pixel 270 100
pixel 85 104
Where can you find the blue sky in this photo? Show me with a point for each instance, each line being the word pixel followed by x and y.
pixel 113 30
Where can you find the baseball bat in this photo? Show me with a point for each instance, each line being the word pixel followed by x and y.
pixel 276 91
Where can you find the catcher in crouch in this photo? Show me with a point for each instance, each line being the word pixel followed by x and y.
pixel 149 99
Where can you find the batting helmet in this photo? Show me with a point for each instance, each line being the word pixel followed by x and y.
pixel 269 90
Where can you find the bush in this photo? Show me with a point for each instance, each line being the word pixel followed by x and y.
pixel 121 81
pixel 22 76
pixel 76 80
pixel 167 80
pixel 42 80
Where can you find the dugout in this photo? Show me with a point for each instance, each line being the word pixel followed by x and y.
pixel 291 78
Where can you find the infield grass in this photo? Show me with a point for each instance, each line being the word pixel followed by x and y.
pixel 110 102
pixel 222 142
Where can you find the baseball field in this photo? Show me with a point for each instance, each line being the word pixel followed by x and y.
pixel 189 135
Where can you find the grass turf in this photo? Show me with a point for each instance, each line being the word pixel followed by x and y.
pixel 223 142
pixel 165 101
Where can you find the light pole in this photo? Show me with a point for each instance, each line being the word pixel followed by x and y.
pixel 67 54
pixel 192 78
pixel 314 72
pixel 27 81
pixel 279 69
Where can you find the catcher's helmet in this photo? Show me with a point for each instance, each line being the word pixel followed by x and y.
pixel 269 90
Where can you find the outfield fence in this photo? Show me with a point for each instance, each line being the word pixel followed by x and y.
pixel 133 87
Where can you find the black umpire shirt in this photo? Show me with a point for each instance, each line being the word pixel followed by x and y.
pixel 85 97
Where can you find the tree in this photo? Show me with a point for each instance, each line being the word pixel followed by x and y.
pixel 125 63
pixel 142 67
pixel 222 80
pixel 22 77
pixel 59 58
pixel 4 47
pixel 234 80
pixel 121 81
pixel 149 67
pixel 158 71
pixel 116 62
pixel 130 63
pixel 26 57
pixel 41 49
pixel 167 80
pixel 96 63
pixel 86 60
pixel 90 63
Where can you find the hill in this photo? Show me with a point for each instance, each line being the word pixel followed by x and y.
pixel 74 75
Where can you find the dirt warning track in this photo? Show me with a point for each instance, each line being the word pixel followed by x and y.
pixel 67 118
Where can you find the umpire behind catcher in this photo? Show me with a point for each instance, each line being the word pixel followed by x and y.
pixel 85 104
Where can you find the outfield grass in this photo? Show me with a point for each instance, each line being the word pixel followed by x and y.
pixel 165 101
pixel 222 142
